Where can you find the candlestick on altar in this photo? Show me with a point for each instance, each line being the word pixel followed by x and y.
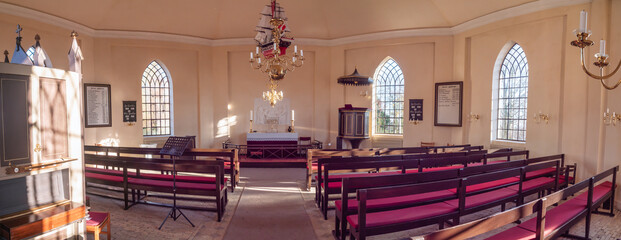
pixel 250 126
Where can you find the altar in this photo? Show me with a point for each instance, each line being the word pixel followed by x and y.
pixel 272 145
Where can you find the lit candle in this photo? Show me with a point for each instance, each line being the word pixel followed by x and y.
pixel 251 116
pixel 602 47
pixel 583 21
pixel 292 115
pixel 295 48
pixel 301 52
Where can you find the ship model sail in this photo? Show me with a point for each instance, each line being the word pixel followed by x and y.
pixel 272 30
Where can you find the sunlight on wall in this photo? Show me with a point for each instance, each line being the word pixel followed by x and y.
pixel 109 142
pixel 224 126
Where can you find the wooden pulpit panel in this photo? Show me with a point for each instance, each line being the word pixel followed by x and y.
pixel 14 129
pixel 53 120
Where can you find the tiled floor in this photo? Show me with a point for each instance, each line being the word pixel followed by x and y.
pixel 141 221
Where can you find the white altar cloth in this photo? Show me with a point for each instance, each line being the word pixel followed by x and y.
pixel 271 137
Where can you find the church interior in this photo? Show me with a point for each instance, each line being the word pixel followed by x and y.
pixel 349 119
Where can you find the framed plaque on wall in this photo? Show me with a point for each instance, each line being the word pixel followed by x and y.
pixel 97 104
pixel 416 110
pixel 448 105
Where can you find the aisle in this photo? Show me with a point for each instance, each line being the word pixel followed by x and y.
pixel 271 206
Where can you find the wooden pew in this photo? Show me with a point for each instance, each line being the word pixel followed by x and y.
pixel 548 224
pixel 312 155
pixel 230 155
pixel 139 180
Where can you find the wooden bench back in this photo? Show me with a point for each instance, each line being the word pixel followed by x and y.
pixel 506 155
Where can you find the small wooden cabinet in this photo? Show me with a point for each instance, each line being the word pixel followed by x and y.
pixel 353 125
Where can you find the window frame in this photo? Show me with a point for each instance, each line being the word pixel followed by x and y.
pixel 511 87
pixel 393 88
pixel 157 71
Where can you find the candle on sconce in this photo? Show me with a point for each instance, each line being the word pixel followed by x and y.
pixel 602 47
pixel 251 116
pixel 301 52
pixel 295 48
pixel 583 21
pixel 251 56
pixel 257 50
pixel 292 115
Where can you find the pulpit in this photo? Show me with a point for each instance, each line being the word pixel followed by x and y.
pixel 353 126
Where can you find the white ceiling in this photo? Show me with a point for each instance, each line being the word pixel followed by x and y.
pixel 225 19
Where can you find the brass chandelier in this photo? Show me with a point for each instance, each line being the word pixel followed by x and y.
pixel 583 41
pixel 271 55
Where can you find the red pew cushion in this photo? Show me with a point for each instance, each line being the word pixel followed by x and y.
pixel 514 233
pixel 362 174
pixel 540 172
pixel 403 215
pixel 533 183
pixel 108 171
pixel 96 218
pixel 491 184
pixel 557 216
pixel 598 192
pixel 169 184
pixel 482 198
pixel 333 185
pixel 352 204
pixel 104 177
pixel 442 168
pixel 180 177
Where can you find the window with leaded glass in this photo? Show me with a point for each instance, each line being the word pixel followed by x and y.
pixel 512 96
pixel 156 100
pixel 388 96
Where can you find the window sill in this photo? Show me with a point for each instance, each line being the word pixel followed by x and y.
pixel 507 144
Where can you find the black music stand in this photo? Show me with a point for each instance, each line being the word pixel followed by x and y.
pixel 174 147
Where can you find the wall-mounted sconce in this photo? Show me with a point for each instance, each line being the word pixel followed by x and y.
pixel 541 117
pixel 611 118
pixel 365 94
pixel 474 117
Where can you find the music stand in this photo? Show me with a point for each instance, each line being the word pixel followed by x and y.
pixel 174 147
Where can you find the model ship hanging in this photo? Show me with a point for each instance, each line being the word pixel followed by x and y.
pixel 271 56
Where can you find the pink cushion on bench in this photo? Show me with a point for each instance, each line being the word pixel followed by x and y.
pixel 557 216
pixel 108 171
pixel 533 183
pixel 180 178
pixel 96 218
pixel 491 184
pixel 514 233
pixel 442 168
pixel 403 215
pixel 103 177
pixel 483 198
pixel 352 204
pixel 333 184
pixel 361 174
pixel 540 172
pixel 598 192
pixel 169 184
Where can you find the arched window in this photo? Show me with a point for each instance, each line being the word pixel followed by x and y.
pixel 156 99
pixel 512 96
pixel 388 98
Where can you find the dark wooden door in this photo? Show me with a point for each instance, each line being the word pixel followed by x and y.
pixel 14 126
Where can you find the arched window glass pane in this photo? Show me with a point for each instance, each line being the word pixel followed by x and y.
pixel 513 96
pixel 155 101
pixel 30 53
pixel 388 106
